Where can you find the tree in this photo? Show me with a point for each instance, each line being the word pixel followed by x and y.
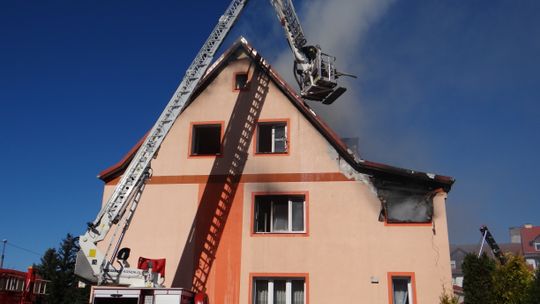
pixel 534 291
pixel 448 298
pixel 58 266
pixel 512 281
pixel 478 279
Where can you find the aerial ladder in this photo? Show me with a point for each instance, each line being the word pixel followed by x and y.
pixel 316 75
pixel 487 237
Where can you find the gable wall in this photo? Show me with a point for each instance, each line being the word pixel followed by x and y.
pixel 345 246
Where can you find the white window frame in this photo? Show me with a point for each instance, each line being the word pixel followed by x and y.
pixel 288 288
pixel 537 246
pixel 409 287
pixel 273 138
pixel 289 214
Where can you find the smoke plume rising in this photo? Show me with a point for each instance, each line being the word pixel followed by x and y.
pixel 339 27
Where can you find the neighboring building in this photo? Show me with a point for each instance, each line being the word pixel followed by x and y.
pixel 529 238
pixel 524 241
pixel 254 199
pixel 458 253
pixel 17 287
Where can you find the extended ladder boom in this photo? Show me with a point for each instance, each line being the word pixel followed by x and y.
pixel 488 238
pixel 293 30
pixel 117 203
pixel 316 75
pixel 314 71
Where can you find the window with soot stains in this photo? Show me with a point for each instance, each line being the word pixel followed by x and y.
pixel 280 214
pixel 404 206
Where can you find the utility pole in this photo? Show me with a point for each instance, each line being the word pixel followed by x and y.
pixel 3 251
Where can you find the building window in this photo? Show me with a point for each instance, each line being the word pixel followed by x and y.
pixel 206 139
pixel 280 214
pixel 240 81
pixel 537 246
pixel 401 288
pixel 453 264
pixel 407 206
pixel 279 291
pixel 272 137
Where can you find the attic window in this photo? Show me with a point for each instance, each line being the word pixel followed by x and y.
pixel 272 137
pixel 206 139
pixel 240 81
pixel 537 246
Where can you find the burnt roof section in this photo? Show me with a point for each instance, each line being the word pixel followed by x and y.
pixel 374 169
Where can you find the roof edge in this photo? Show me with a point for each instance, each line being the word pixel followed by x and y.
pixel 361 165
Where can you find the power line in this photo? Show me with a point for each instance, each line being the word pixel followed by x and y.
pixel 22 248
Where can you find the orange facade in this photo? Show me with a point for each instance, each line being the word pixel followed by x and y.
pixel 303 220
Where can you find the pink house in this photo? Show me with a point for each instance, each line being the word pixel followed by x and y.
pixel 254 199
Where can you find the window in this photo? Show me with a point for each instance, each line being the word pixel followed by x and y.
pixel 401 288
pixel 40 287
pixel 537 246
pixel 272 137
pixel 279 214
pixel 279 291
pixel 406 206
pixel 11 283
pixel 206 139
pixel 240 81
pixel 453 264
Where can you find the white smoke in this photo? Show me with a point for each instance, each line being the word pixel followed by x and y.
pixel 339 27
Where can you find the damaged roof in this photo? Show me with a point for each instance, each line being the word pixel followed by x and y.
pixel 374 169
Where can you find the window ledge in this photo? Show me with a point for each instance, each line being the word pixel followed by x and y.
pixel 206 155
pixel 280 234
pixel 272 153
pixel 409 224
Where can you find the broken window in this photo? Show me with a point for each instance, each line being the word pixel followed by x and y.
pixel 206 139
pixel 272 137
pixel 279 214
pixel 240 81
pixel 401 205
pixel 402 290
pixel 279 291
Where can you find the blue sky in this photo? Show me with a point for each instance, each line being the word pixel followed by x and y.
pixel 443 86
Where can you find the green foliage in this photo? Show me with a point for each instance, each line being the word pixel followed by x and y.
pixel 487 282
pixel 512 281
pixel 446 298
pixel 534 291
pixel 478 279
pixel 58 266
